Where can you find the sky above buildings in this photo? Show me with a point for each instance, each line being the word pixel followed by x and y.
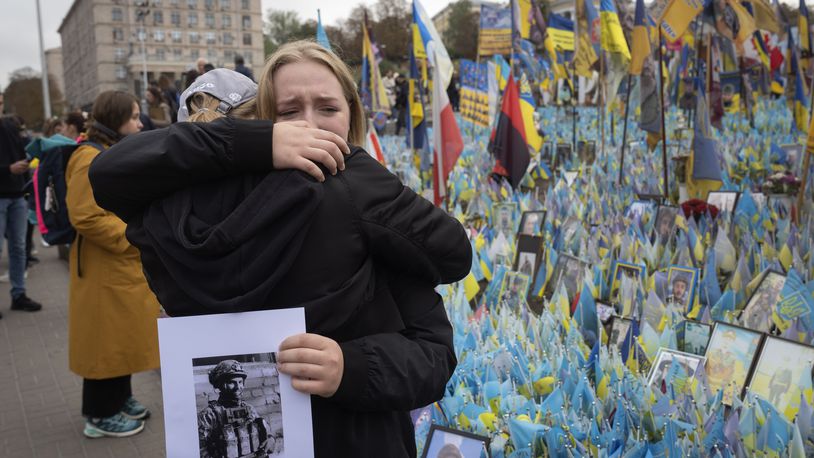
pixel 19 40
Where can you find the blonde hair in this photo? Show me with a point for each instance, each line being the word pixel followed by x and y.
pixel 202 108
pixel 298 51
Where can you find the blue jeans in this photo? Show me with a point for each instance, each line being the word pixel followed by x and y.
pixel 13 217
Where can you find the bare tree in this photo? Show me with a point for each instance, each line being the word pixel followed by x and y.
pixel 23 96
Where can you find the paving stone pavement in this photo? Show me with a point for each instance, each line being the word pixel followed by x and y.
pixel 40 399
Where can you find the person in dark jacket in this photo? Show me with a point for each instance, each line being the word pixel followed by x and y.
pixel 240 67
pixel 14 209
pixel 360 251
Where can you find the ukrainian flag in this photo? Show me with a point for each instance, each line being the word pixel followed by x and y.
pixel 800 101
pixel 374 95
pixel 527 107
pixel 803 23
pixel 641 40
pixel 613 39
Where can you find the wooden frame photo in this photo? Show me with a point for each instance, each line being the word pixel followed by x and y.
pixel 629 270
pixel 503 217
pixel 730 354
pixel 696 337
pixel 665 227
pixel 514 289
pixel 447 442
pixel 782 372
pixel 532 222
pixel 665 358
pixel 563 154
pixel 757 314
pixel 571 269
pixel 529 254
pixel 683 298
pixel 586 151
pixel 620 326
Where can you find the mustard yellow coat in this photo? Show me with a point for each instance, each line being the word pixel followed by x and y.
pixel 112 312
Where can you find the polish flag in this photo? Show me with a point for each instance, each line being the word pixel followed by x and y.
pixel 447 140
pixel 373 145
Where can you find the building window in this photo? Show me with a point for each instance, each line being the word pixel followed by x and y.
pixel 225 4
pixel 247 39
pixel 210 38
pixel 140 35
pixel 157 3
pixel 160 54
pixel 158 17
pixel 119 54
pixel 192 4
pixel 226 21
pixel 209 4
pixel 176 36
pixel 194 53
pixel 211 53
pixel 228 39
pixel 121 72
pixel 247 56
pixel 158 35
pixel 118 34
pixel 192 19
pixel 174 3
pixel 229 55
pixel 117 15
pixel 209 20
pixel 247 22
pixel 175 18
pixel 177 54
pixel 194 37
pixel 244 4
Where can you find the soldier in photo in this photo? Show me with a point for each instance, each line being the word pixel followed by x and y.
pixel 229 427
pixel 678 298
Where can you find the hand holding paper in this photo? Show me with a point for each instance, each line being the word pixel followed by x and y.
pixel 297 145
pixel 315 363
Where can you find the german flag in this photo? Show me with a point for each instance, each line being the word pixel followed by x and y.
pixel 508 140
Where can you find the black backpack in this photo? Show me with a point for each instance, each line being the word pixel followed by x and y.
pixel 50 190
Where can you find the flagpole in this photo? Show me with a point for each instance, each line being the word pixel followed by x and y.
pixel 601 104
pixel 663 129
pixel 573 105
pixel 624 129
pixel 802 192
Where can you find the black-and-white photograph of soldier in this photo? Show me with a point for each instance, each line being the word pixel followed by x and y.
pixel 239 406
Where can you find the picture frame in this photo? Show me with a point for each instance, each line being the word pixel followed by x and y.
pixel 665 358
pixel 529 254
pixel 730 354
pixel 571 269
pixel 532 222
pixel 547 151
pixel 696 337
pixel 664 228
pixel 586 151
pixel 630 270
pixel 757 314
pixel 503 216
pixel 640 208
pixel 442 441
pixel 678 296
pixel 783 370
pixel 562 154
pixel 189 356
pixel 514 289
pixel 620 326
pixel 725 201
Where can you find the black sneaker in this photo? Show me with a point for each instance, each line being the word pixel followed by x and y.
pixel 24 303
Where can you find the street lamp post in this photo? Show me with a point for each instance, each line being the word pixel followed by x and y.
pixel 46 95
pixel 142 10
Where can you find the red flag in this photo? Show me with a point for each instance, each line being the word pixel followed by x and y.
pixel 447 139
pixel 508 140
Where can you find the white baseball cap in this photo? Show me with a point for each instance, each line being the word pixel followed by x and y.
pixel 230 87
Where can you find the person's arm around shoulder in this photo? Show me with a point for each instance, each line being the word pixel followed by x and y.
pixel 89 220
pixel 405 231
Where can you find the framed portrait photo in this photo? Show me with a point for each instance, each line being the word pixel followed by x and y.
pixel 503 216
pixel 665 226
pixel 696 337
pixel 604 311
pixel 586 151
pixel 529 254
pixel 757 314
pixel 514 289
pixel 547 151
pixel 622 272
pixel 730 355
pixel 665 358
pixel 202 376
pixel 562 155
pixel 570 270
pixel 724 200
pixel 531 222
pixel 620 327
pixel 641 210
pixel 783 371
pixel 445 442
pixel 681 285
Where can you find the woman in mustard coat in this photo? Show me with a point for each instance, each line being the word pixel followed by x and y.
pixel 112 312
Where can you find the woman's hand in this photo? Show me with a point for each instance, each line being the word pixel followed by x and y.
pixel 315 363
pixel 298 146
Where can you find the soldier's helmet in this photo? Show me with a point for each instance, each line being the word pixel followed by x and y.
pixel 226 369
